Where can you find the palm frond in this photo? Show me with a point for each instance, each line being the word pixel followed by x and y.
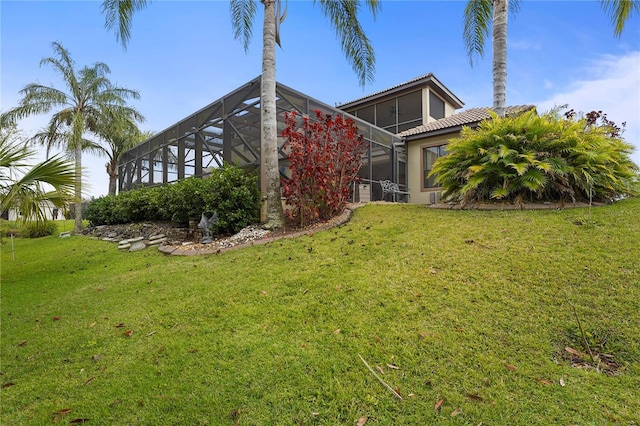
pixel 27 192
pixel 620 11
pixel 242 14
pixel 118 16
pixel 343 16
pixel 499 193
pixel 63 65
pixel 477 23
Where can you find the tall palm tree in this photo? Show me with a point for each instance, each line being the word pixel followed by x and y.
pixel 480 15
pixel 26 187
pixel 89 95
pixel 343 16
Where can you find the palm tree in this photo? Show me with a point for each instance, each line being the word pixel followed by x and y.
pixel 343 16
pixel 480 15
pixel 89 96
pixel 23 186
pixel 119 134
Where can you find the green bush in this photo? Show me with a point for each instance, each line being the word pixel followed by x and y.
pixel 234 194
pixel 527 157
pixel 185 199
pixel 230 191
pixel 9 227
pixel 105 211
pixel 138 205
pixel 37 229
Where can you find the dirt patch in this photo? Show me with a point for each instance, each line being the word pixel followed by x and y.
pixel 601 362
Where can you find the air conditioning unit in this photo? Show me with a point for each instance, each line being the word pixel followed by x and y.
pixel 364 193
pixel 434 197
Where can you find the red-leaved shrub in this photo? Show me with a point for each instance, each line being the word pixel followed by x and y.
pixel 325 156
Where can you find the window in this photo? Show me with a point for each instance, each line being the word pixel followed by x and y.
pixel 429 156
pixel 410 107
pixel 436 106
pixel 386 113
pixel 368 114
pixel 409 111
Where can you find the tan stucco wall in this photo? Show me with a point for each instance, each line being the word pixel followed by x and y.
pixel 425 106
pixel 448 109
pixel 414 166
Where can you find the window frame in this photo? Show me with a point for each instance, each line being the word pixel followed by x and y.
pixel 433 95
pixel 442 146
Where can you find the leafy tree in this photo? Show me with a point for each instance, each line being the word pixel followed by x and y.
pixel 534 158
pixel 481 15
pixel 26 187
pixel 325 156
pixel 343 16
pixel 89 96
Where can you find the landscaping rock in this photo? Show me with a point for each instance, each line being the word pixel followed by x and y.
pixel 137 244
pixel 171 231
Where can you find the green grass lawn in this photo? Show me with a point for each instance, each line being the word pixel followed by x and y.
pixel 468 307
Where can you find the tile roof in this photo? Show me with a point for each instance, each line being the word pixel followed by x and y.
pixel 463 118
pixel 423 79
pixel 388 89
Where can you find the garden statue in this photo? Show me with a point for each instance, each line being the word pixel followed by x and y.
pixel 205 225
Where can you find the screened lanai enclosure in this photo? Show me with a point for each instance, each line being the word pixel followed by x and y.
pixel 228 130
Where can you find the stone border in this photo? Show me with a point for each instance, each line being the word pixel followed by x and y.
pixel 200 249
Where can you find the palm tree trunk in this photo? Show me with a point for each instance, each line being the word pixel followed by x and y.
pixel 270 174
pixel 112 171
pixel 77 229
pixel 500 14
pixel 112 184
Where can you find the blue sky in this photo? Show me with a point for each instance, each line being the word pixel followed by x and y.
pixel 182 56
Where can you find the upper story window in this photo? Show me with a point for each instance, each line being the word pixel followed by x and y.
pixel 409 111
pixel 368 114
pixel 436 106
pixel 386 114
pixel 396 114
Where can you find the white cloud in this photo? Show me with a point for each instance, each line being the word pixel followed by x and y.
pixel 610 84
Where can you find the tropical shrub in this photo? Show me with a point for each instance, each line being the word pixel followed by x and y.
pixel 37 229
pixel 325 156
pixel 531 158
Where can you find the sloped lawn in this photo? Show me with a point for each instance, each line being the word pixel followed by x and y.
pixel 464 310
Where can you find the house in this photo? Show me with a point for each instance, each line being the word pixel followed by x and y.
pixel 422 112
pixel 49 211
pixel 406 128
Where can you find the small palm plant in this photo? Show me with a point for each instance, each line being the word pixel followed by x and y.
pixel 528 157
pixel 27 187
